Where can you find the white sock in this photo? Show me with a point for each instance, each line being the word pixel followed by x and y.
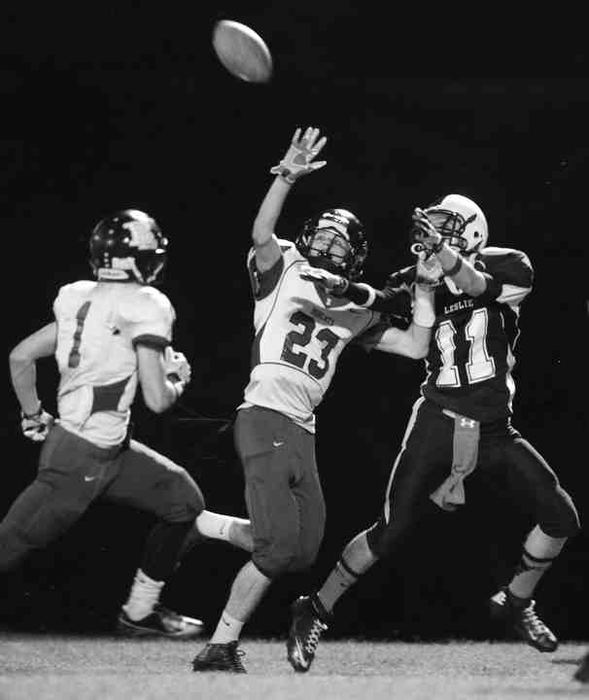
pixel 215 525
pixel 145 593
pixel 228 629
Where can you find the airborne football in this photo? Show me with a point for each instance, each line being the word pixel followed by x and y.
pixel 242 51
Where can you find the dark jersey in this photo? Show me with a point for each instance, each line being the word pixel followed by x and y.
pixel 471 356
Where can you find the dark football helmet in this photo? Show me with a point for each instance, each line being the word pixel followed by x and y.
pixel 335 241
pixel 128 245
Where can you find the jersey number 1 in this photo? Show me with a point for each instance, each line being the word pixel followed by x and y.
pixel 302 338
pixel 74 356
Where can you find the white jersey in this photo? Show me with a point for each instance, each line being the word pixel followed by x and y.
pixel 300 333
pixel 98 326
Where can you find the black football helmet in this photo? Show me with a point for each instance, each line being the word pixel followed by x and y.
pixel 128 245
pixel 335 241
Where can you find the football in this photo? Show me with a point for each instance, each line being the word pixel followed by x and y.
pixel 243 52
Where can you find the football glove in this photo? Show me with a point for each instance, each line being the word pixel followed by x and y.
pixel 177 366
pixel 298 160
pixel 36 427
pixel 424 233
pixel 332 284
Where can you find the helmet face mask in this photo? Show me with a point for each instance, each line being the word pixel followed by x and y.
pixel 128 246
pixel 335 241
pixel 460 222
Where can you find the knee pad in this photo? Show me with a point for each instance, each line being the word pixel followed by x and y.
pixel 273 561
pixel 562 520
pixel 184 499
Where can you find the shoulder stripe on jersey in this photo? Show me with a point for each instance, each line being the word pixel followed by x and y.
pixel 263 283
pixel 277 290
pixel 512 294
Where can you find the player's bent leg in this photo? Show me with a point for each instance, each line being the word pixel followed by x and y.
pixel 312 615
pixel 558 519
pixel 152 482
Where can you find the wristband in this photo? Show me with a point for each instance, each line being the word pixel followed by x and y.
pixel 423 312
pixel 284 174
pixel 32 416
pixel 455 268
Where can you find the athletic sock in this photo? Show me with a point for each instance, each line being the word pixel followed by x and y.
pixel 228 629
pixel 143 597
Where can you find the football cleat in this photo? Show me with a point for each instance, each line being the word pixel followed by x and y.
pixel 582 673
pixel 162 622
pixel 219 657
pixel 308 623
pixel 506 607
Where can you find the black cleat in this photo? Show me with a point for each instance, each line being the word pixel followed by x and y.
pixel 520 612
pixel 582 673
pixel 219 657
pixel 160 623
pixel 309 621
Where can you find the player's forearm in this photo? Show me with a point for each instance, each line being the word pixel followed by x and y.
pixel 362 294
pixel 461 272
pixel 23 374
pixel 269 211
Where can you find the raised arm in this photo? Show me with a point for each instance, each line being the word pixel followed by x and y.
pixel 454 265
pixel 298 161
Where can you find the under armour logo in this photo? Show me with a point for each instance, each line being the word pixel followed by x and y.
pixel 467 423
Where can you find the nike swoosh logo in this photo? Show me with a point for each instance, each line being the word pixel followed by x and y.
pixel 277 444
pixel 90 478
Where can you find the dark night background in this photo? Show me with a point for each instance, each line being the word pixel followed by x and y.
pixel 105 107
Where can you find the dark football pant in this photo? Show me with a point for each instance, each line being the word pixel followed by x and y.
pixel 282 490
pixel 504 458
pixel 73 473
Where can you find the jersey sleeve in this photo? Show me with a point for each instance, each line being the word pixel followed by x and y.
pixel 509 274
pixel 151 319
pixel 264 283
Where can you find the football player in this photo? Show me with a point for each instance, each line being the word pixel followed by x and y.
pixel 300 332
pixel 460 425
pixel 108 336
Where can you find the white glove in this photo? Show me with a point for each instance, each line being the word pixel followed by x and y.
pixel 333 284
pixel 37 426
pixel 176 364
pixel 298 160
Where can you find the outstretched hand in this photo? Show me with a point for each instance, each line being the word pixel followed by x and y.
pixel 424 232
pixel 299 158
pixel 331 283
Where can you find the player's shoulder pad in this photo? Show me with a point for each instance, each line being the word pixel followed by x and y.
pixel 73 291
pixel 509 264
pixel 287 248
pixel 149 303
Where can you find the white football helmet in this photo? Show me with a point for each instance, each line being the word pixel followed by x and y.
pixel 461 223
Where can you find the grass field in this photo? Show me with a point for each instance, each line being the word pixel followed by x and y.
pixel 35 667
